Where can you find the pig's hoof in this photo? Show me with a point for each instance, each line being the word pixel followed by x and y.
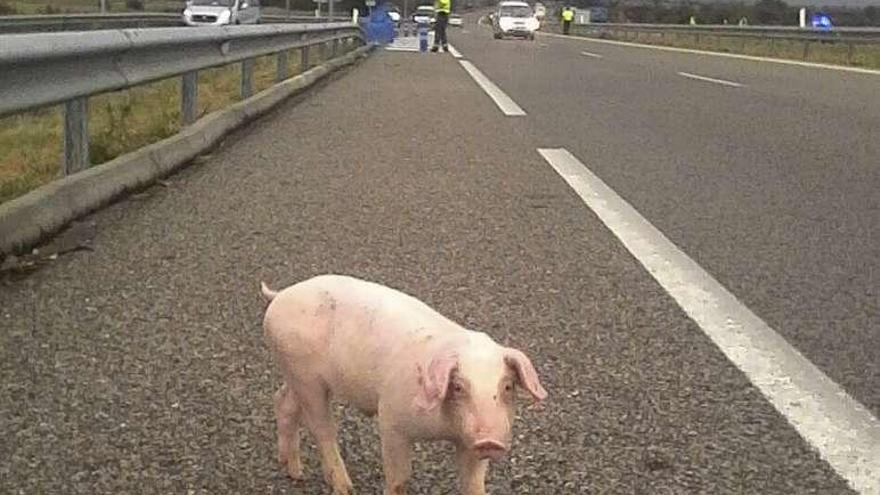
pixel 295 469
pixel 344 489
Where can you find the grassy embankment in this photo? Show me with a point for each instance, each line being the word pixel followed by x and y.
pixel 35 7
pixel 32 7
pixel 119 122
pixel 864 54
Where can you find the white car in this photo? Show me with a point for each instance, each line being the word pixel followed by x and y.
pixel 221 12
pixel 514 18
pixel 424 14
pixel 394 14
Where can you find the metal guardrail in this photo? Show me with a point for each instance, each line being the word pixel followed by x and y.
pixel 88 22
pixel 75 22
pixel 306 19
pixel 51 68
pixel 790 32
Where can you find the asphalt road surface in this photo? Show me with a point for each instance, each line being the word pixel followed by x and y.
pixel 137 365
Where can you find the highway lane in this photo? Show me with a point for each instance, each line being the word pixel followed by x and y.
pixel 770 186
pixel 144 356
pixel 835 90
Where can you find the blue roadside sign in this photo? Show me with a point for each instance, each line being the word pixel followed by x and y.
pixel 821 21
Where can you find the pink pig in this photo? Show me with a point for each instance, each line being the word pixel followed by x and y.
pixel 388 354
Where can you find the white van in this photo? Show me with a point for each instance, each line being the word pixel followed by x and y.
pixel 514 18
pixel 221 12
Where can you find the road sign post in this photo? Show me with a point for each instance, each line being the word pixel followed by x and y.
pixel 423 37
pixel 318 7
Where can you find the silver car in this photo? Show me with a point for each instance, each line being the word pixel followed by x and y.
pixel 221 12
pixel 424 14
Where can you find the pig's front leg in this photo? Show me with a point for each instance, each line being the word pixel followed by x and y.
pixel 471 472
pixel 396 457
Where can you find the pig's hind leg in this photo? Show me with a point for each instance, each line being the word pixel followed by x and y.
pixel 315 402
pixel 288 418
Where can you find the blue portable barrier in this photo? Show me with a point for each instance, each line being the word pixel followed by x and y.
pixel 379 27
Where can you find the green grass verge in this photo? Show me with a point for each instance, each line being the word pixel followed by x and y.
pixel 31 7
pixel 34 7
pixel 863 54
pixel 119 122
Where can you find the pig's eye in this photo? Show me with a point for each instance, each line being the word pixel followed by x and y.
pixel 508 387
pixel 457 389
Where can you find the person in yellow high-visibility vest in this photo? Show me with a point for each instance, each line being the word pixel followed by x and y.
pixel 567 17
pixel 442 9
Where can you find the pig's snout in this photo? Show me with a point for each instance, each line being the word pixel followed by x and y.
pixel 490 449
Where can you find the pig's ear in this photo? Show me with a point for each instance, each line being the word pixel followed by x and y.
pixel 525 373
pixel 434 381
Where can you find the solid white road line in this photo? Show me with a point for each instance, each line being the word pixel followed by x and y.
pixel 455 53
pixel 507 105
pixel 589 54
pixel 812 65
pixel 711 80
pixel 844 433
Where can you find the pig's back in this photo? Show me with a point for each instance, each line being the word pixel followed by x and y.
pixel 349 332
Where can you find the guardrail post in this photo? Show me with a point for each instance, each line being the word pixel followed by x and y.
pixel 772 46
pixel 335 45
pixel 76 135
pixel 247 76
pixel 304 58
pixel 850 50
pixel 281 68
pixel 806 48
pixel 189 97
